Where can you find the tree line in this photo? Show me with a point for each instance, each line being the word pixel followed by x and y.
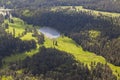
pixel 78 25
pixel 53 64
pixel 9 44
pixel 103 5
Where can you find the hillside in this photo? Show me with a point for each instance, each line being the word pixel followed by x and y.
pixel 103 5
pixel 60 40
pixel 63 44
pixel 82 9
pixel 97 32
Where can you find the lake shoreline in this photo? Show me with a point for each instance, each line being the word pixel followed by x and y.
pixel 50 32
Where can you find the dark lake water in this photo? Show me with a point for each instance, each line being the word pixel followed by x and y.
pixel 50 32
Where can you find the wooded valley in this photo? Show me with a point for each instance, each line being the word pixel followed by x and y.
pixel 88 47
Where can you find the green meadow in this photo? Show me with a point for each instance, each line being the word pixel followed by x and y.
pixel 80 8
pixel 19 27
pixel 68 45
pixel 63 44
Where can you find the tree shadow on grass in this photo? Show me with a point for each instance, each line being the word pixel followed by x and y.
pixel 59 65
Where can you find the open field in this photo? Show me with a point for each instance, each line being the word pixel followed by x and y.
pixel 81 9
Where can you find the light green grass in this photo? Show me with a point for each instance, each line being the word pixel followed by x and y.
pixel 94 33
pixel 68 45
pixel 98 13
pixel 80 8
pixel 19 56
pixel 19 27
pixel 11 78
pixel 6 78
pixel 28 36
pixel 17 31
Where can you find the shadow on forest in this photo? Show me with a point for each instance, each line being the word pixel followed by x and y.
pixel 59 65
pixel 49 60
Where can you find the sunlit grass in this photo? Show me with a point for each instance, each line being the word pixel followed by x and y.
pixel 68 45
pixel 28 36
pixel 19 28
pixel 94 33
pixel 19 56
pixel 6 78
pixel 80 8
pixel 114 69
pixel 98 13
pixel 17 31
pixel 18 21
pixel 17 25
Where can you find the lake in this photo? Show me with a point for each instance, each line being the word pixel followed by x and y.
pixel 50 32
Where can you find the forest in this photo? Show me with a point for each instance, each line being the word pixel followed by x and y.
pixel 88 47
pixel 10 45
pixel 81 27
pixel 103 5
pixel 53 64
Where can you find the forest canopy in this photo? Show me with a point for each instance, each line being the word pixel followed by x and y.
pixel 104 5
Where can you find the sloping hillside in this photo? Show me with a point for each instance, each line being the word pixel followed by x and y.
pixel 104 5
pixel 63 44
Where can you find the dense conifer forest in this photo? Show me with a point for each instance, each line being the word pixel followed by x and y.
pixel 103 5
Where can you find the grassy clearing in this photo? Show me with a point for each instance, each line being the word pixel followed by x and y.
pixel 28 36
pixel 80 8
pixel 98 13
pixel 94 33
pixel 64 44
pixel 19 27
pixel 68 45
pixel 19 56
pixel 17 24
pixel 6 78
pixel 17 31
